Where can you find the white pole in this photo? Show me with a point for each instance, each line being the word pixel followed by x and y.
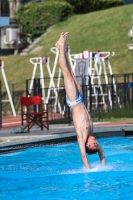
pixel 35 63
pixel 42 80
pixel 7 89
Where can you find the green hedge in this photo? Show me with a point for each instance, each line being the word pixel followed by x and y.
pixel 85 6
pixel 34 18
pixel 104 4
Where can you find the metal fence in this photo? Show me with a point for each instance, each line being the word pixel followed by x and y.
pixel 16 90
pixel 117 93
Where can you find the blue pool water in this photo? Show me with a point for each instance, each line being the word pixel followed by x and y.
pixel 56 172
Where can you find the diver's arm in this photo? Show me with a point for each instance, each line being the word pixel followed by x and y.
pixel 101 155
pixel 83 153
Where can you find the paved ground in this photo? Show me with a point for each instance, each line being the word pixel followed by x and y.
pixel 56 133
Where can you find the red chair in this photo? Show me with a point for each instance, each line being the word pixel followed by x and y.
pixel 33 112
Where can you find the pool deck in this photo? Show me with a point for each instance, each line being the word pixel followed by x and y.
pixel 55 134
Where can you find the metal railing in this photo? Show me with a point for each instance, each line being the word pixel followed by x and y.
pixel 117 93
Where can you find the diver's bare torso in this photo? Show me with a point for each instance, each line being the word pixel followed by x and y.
pixel 82 121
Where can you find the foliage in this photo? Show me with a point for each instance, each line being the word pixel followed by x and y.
pixel 34 18
pixel 104 4
pixel 117 113
pixel 105 30
pixel 85 6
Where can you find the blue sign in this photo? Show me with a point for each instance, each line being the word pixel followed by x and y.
pixel 130 85
pixel 128 1
pixel 4 21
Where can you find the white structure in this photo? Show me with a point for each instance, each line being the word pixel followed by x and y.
pixel 84 64
pixel 39 62
pixel 98 63
pixel 12 35
pixel 7 89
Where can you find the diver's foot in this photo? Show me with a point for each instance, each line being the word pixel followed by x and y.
pixel 62 40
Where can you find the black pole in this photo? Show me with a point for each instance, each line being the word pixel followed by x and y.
pixel 98 105
pixel 108 90
pixel 90 89
pixel 125 86
pixel 27 89
pixel 112 94
pixel 116 93
pixel 37 87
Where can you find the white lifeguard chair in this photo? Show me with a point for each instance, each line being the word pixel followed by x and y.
pixel 93 72
pixel 7 89
pixel 96 67
pixel 40 62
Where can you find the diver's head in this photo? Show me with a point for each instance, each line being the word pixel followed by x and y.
pixel 91 145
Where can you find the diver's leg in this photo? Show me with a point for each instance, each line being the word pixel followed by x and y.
pixel 77 83
pixel 70 85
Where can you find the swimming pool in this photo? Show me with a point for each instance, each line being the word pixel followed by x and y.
pixel 56 172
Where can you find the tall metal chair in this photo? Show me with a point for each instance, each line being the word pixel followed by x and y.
pixel 33 112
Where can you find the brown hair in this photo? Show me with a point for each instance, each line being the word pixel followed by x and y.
pixel 91 151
